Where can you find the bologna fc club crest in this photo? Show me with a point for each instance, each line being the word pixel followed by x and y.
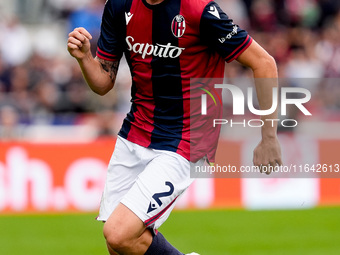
pixel 178 26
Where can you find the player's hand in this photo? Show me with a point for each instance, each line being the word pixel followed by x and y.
pixel 266 154
pixel 78 43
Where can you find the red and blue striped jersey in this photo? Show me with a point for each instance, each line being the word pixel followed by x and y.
pixel 166 45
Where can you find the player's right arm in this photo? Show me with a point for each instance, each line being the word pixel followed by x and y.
pixel 99 74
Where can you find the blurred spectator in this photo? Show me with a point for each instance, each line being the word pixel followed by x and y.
pixel 329 9
pixel 4 76
pixel 20 94
pixel 15 43
pixel 328 47
pixel 46 96
pixel 262 14
pixel 9 124
pixel 303 65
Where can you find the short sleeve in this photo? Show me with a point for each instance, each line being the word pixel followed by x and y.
pixel 111 40
pixel 220 33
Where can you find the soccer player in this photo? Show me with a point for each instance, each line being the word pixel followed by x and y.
pixel 166 43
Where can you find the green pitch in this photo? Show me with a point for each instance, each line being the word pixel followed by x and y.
pixel 312 232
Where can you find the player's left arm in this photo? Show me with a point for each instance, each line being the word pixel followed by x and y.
pixel 268 151
pixel 221 34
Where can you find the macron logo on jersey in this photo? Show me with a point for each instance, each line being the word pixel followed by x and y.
pixel 158 50
pixel 128 17
pixel 213 11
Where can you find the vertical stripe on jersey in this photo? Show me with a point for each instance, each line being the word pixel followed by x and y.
pixel 167 89
pixel 136 129
pixel 126 127
pixel 206 64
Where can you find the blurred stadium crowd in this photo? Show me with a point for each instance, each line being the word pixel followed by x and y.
pixel 40 84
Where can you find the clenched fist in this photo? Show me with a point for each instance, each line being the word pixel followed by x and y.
pixel 78 43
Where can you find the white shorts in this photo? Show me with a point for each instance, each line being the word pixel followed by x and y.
pixel 147 181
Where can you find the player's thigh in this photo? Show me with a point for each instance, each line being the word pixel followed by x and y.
pixel 126 164
pixel 157 188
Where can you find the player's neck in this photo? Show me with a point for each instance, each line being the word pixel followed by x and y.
pixel 153 2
